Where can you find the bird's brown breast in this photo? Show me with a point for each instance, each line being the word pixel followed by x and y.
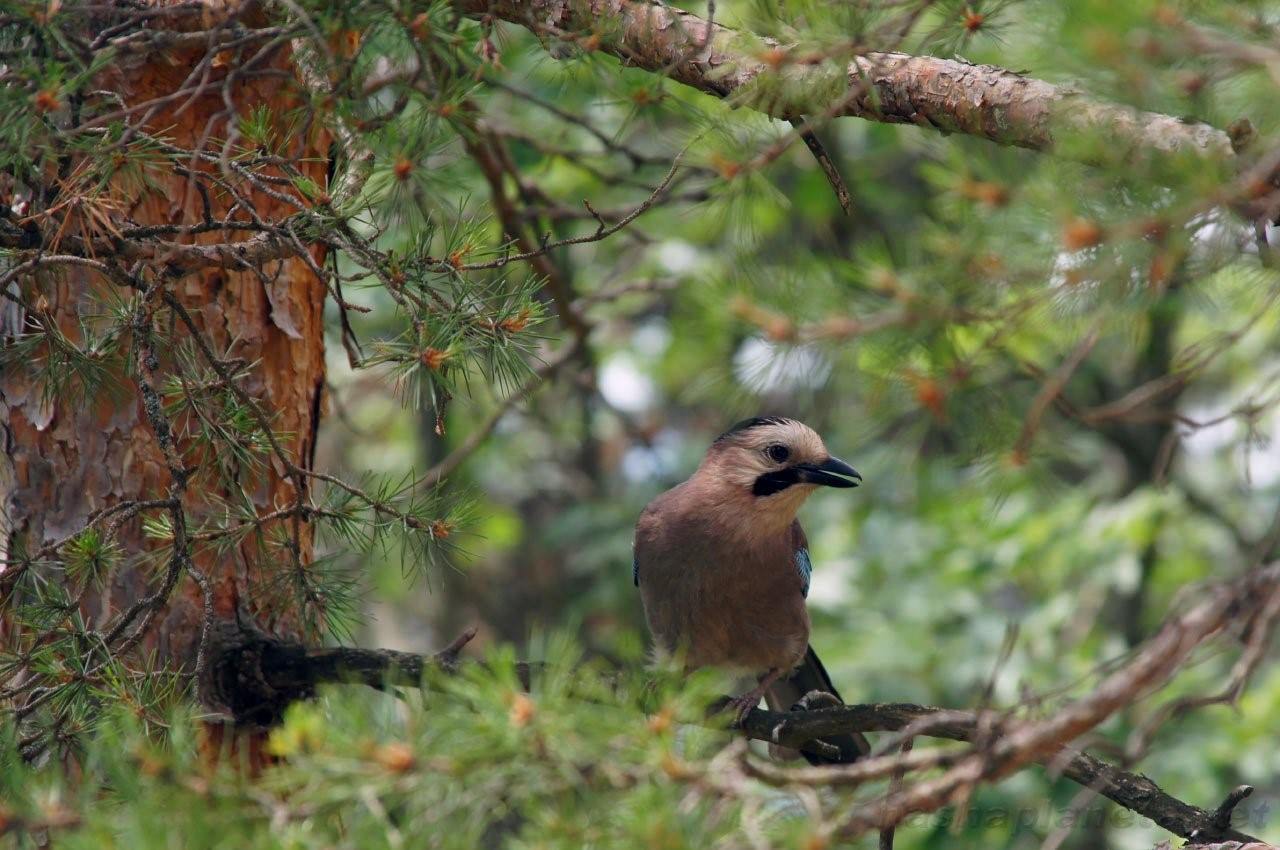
pixel 721 598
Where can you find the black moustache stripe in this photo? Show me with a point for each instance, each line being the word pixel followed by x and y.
pixel 775 482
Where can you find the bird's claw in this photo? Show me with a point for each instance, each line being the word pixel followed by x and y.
pixel 742 705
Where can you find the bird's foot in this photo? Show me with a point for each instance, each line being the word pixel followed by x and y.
pixel 816 699
pixel 741 706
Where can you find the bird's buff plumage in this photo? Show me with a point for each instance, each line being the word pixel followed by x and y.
pixel 723 566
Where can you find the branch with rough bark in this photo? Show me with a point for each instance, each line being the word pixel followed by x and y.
pixel 945 94
pixel 1133 791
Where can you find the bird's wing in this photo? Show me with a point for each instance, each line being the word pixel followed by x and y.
pixel 635 570
pixel 804 567
pixel 811 676
pixel 800 557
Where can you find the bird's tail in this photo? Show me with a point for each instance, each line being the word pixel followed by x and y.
pixel 810 676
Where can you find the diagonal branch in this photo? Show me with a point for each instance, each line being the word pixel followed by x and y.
pixel 1048 740
pixel 1131 790
pixel 947 95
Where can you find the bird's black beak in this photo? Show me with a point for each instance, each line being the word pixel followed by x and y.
pixel 832 472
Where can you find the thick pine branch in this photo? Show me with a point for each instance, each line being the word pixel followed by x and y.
pixel 897 88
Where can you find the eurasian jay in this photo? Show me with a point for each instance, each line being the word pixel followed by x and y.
pixel 723 566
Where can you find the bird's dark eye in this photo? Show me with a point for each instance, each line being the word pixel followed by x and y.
pixel 777 453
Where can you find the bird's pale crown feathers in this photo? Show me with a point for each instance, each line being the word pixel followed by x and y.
pixel 761 470
pixel 742 454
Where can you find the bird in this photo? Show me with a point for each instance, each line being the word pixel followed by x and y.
pixel 723 567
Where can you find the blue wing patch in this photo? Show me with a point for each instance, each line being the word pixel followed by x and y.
pixel 635 570
pixel 805 568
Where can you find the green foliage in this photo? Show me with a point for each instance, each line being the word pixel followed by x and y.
pixel 589 758
pixel 470 759
pixel 90 556
pixel 920 335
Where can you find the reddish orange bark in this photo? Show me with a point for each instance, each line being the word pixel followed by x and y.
pixel 67 459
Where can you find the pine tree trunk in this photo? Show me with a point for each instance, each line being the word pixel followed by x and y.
pixel 69 457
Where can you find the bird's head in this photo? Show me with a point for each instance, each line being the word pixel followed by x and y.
pixel 775 463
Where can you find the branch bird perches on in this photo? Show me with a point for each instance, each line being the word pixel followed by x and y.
pixel 252 677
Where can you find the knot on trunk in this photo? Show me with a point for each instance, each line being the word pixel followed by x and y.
pixel 252 676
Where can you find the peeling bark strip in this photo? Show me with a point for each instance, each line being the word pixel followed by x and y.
pixel 948 95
